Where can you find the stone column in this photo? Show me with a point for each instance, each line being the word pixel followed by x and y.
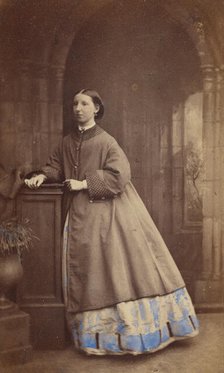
pixel 208 158
pixel 177 164
pixel 208 289
pixel 222 167
pixel 23 115
pixel 217 257
pixel 57 79
pixel 41 126
pixel 7 127
pixel 56 104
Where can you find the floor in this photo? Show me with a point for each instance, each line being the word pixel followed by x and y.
pixel 202 354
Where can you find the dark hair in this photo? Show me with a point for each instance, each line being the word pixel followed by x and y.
pixel 97 100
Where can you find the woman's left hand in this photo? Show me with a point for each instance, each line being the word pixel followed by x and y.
pixel 74 185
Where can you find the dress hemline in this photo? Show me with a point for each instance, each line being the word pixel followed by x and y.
pixel 99 352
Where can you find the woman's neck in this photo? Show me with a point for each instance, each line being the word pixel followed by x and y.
pixel 88 125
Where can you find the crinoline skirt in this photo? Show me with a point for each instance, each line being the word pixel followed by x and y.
pixel 135 327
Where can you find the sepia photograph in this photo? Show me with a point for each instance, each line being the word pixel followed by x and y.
pixel 112 186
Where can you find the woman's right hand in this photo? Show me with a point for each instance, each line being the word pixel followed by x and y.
pixel 35 181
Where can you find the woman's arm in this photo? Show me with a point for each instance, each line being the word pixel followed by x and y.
pixel 53 171
pixel 112 179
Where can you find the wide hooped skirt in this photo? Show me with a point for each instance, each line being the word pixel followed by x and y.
pixel 135 327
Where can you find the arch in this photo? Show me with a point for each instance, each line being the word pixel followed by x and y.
pixel 195 23
pixel 192 23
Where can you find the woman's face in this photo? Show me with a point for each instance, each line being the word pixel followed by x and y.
pixel 84 109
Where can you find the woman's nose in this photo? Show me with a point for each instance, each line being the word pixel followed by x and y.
pixel 77 107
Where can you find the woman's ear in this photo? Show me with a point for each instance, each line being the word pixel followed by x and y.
pixel 97 108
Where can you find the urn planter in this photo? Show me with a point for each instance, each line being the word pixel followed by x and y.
pixel 15 346
pixel 15 238
pixel 11 272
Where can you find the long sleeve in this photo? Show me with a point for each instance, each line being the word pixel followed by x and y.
pixel 54 167
pixel 112 179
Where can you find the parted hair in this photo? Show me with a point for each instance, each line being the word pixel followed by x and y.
pixel 97 100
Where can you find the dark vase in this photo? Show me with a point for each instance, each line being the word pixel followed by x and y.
pixel 11 272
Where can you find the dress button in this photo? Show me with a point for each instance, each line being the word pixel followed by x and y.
pixel 91 201
pixel 77 147
pixel 103 198
pixel 76 166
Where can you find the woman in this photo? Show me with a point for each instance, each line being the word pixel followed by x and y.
pixel 122 289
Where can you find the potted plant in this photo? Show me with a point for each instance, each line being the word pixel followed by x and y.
pixel 15 238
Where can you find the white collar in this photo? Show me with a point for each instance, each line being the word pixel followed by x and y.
pixel 81 128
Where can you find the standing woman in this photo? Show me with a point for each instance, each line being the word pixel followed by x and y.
pixel 122 289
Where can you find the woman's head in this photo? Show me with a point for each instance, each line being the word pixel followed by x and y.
pixel 87 105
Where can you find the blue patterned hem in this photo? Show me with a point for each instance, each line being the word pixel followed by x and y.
pixel 135 327
pixel 101 344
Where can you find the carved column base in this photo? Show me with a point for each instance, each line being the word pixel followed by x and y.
pixel 209 295
pixel 14 337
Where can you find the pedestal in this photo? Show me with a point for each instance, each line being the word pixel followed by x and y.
pixel 40 291
pixel 14 337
